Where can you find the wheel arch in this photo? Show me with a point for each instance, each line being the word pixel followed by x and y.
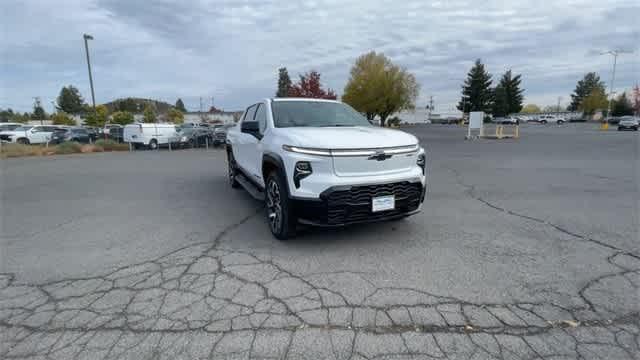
pixel 272 161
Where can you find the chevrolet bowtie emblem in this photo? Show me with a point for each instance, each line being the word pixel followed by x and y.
pixel 379 156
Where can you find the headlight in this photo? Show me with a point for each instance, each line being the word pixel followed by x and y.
pixel 422 162
pixel 184 138
pixel 301 171
pixel 307 151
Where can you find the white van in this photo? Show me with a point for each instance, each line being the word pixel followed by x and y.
pixel 149 135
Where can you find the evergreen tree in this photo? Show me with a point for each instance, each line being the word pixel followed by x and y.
pixel 180 106
pixel 500 106
pixel 284 83
pixel 622 106
pixel 508 95
pixel 70 101
pixel 584 88
pixel 477 94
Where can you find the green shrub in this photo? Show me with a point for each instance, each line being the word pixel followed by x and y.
pixel 71 147
pixel 110 145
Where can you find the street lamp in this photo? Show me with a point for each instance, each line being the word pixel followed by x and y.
pixel 86 48
pixel 615 54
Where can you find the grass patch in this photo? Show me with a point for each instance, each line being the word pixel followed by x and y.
pixel 110 145
pixel 19 150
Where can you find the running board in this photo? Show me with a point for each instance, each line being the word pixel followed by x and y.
pixel 251 189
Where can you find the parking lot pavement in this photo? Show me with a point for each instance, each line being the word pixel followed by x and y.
pixel 525 249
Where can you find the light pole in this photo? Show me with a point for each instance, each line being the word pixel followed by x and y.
pixel 86 49
pixel 615 54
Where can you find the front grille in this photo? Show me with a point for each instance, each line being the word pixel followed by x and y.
pixel 221 136
pixel 5 137
pixel 354 204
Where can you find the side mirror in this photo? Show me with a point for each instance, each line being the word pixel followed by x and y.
pixel 252 128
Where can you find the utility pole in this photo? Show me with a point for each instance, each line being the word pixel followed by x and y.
pixel 558 108
pixel 615 54
pixel 200 105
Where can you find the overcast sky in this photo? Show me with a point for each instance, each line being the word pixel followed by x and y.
pixel 231 49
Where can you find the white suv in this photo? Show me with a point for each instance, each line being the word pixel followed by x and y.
pixel 320 162
pixel 543 119
pixel 28 134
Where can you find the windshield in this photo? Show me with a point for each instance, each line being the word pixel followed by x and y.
pixel 315 114
pixel 23 128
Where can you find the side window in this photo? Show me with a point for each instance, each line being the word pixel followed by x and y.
pixel 251 112
pixel 37 129
pixel 261 118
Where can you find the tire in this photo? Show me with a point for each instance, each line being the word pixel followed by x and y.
pixel 153 144
pixel 232 170
pixel 560 122
pixel 23 141
pixel 543 122
pixel 280 216
pixel 619 128
pixel 635 128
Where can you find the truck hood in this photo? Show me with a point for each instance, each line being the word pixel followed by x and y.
pixel 357 137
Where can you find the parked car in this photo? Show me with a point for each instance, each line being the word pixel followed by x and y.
pixel 506 120
pixel 9 126
pixel 543 119
pixel 93 133
pixel 320 162
pixel 63 134
pixel 628 123
pixel 195 137
pixel 28 134
pixel 220 134
pixel 149 135
pixel 116 134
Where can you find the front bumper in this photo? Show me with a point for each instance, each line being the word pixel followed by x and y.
pixel 351 204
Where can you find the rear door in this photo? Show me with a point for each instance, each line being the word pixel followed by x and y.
pixel 38 135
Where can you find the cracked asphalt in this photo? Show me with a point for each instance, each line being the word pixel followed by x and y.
pixel 525 249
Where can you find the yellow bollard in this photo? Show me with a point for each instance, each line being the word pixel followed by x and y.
pixel 517 135
pixel 604 126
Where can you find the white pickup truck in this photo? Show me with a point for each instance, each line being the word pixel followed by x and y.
pixel 319 162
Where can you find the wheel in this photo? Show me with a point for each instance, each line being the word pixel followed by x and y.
pixel 282 221
pixel 635 128
pixel 153 144
pixel 23 141
pixel 619 128
pixel 232 170
pixel 543 122
pixel 560 122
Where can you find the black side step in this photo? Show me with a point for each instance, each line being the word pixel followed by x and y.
pixel 250 187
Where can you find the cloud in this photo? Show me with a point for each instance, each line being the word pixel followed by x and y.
pixel 231 49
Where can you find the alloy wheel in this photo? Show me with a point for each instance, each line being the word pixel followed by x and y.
pixel 274 208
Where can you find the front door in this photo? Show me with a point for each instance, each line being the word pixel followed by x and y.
pixel 242 145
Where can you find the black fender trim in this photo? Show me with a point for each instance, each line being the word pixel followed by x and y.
pixel 276 160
